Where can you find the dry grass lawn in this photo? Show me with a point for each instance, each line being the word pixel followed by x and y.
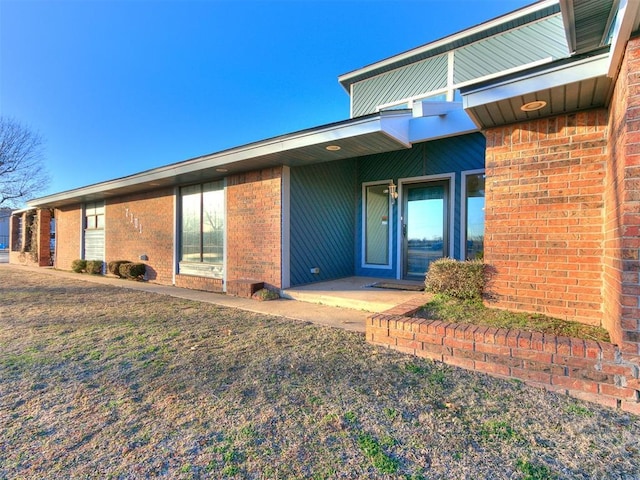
pixel 103 382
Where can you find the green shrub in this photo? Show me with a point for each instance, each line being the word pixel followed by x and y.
pixel 113 267
pixel 132 270
pixel 79 265
pixel 455 278
pixel 94 267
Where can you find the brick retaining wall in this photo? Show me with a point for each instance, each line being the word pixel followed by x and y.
pixel 593 371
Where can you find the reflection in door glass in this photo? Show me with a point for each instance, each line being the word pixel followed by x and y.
pixel 425 221
pixel 475 216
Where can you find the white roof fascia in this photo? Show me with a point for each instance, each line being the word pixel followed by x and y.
pixel 393 124
pixel 451 38
pixel 584 69
pixel 625 22
pixel 429 109
pixel 21 210
pixel 431 127
pixel 569 21
pixel 397 127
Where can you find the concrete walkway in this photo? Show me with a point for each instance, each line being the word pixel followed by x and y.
pixel 350 319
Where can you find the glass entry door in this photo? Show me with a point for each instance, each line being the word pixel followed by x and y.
pixel 424 227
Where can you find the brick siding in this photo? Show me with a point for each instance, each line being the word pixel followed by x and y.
pixel 254 231
pixel 142 224
pixel 544 214
pixel 622 204
pixel 68 235
pixel 592 371
pixel 199 283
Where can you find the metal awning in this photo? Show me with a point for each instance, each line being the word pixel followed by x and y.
pixel 378 133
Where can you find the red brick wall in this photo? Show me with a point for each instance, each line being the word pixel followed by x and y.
pixel 68 236
pixel 142 224
pixel 254 226
pixel 622 205
pixel 593 371
pixel 199 283
pixel 44 237
pixel 544 215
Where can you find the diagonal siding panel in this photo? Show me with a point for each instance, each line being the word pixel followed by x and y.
pixel 322 221
pixel 511 49
pixel 449 155
pixel 396 85
pixel 487 56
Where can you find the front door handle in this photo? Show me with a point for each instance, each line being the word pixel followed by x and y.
pixel 404 229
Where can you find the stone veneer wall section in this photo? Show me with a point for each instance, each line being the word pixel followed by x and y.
pixel 44 237
pixel 622 204
pixel 41 220
pixel 142 224
pixel 68 236
pixel 544 215
pixel 254 226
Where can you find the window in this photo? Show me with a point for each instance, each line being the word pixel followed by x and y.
pixel 474 215
pixel 18 229
pixel 377 222
pixel 94 216
pixel 202 228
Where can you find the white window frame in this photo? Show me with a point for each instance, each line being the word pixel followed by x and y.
pixel 201 269
pixel 402 183
pixel 389 265
pixel 463 209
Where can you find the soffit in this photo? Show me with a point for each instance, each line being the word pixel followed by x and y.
pixel 383 132
pixel 565 87
pixel 588 22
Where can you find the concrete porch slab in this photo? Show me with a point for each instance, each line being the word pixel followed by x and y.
pixel 353 292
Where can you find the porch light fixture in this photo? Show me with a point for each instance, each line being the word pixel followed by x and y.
pixel 221 170
pixel 533 106
pixel 393 192
pixel 333 148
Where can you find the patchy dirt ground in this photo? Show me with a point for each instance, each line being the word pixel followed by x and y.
pixel 101 382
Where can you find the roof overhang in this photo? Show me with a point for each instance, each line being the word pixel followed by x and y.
pixel 444 44
pixel 624 22
pixel 435 120
pixel 566 86
pixel 382 132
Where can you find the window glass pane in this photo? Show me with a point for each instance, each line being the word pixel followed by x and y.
pixel 99 221
pixel 377 225
pixel 402 106
pixel 475 216
pixel 213 223
pixel 190 231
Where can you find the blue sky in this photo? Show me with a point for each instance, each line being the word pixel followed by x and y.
pixel 117 87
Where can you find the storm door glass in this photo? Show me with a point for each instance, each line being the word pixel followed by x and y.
pixel 474 195
pixel 377 225
pixel 425 227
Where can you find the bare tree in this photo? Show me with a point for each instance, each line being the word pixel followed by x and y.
pixel 22 172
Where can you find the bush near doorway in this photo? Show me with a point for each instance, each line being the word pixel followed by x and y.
pixel 463 280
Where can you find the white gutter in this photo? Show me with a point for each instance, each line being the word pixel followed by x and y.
pixel 587 68
pixel 625 21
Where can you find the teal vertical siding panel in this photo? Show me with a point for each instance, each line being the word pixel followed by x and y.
pixel 323 221
pixel 450 155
